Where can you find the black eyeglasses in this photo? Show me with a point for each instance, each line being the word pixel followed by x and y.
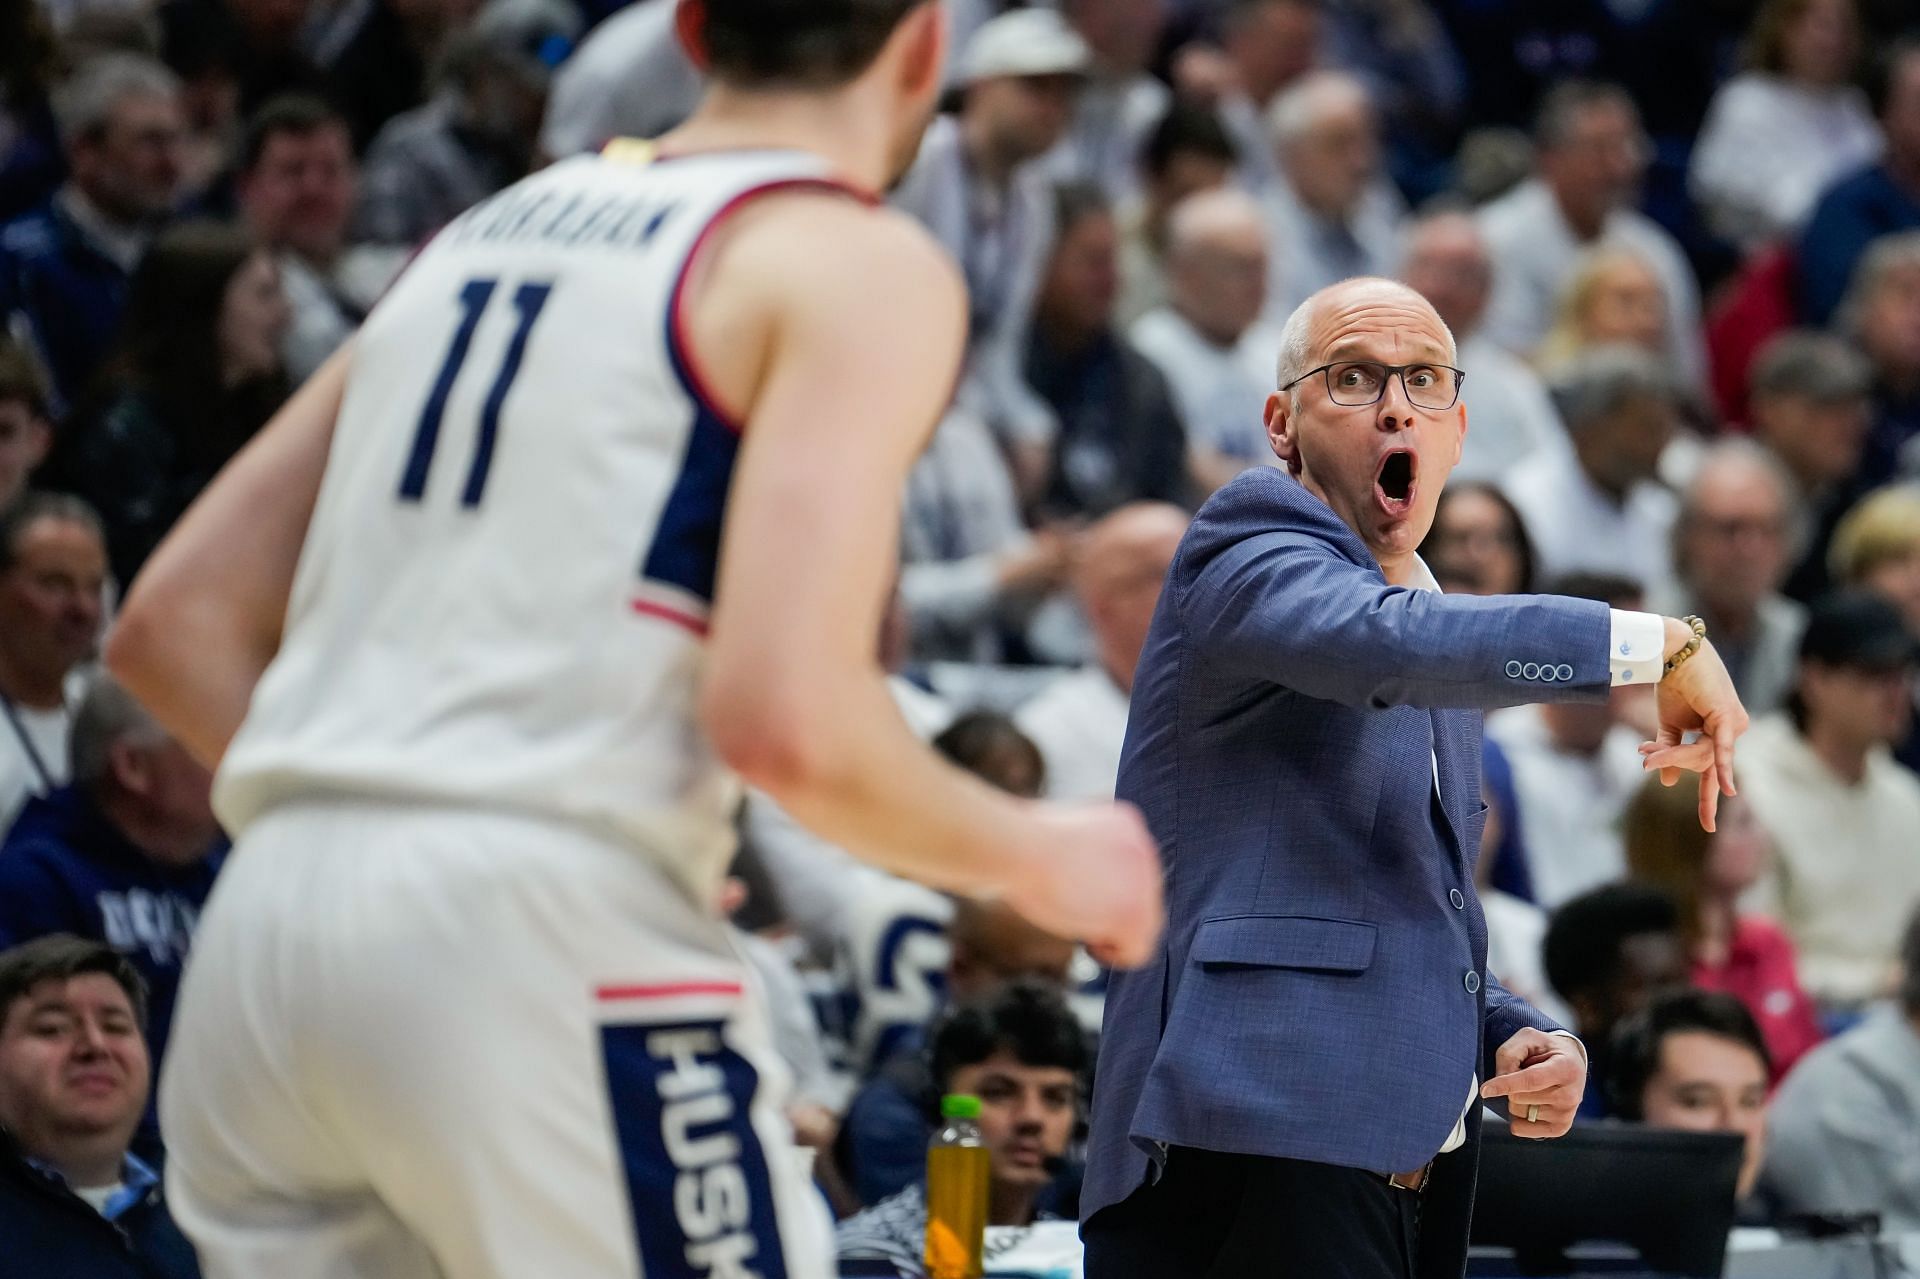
pixel 1355 384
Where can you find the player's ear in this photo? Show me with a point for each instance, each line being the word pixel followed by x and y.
pixel 690 24
pixel 922 37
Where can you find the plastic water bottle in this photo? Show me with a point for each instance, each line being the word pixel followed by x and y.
pixel 959 1173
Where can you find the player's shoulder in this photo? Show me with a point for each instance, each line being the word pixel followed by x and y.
pixel 820 239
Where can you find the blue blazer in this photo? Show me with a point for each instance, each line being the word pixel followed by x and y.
pixel 1321 992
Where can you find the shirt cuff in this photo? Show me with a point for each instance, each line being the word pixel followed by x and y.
pixel 1636 647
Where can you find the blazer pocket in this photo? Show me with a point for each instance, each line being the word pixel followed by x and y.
pixel 1285 941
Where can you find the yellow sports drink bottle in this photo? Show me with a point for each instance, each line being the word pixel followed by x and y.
pixel 959 1169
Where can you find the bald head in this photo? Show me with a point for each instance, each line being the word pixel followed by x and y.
pixel 1123 560
pixel 1217 263
pixel 1299 339
pixel 1448 264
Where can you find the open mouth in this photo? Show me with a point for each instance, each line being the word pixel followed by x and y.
pixel 1393 485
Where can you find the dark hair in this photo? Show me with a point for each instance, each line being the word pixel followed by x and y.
pixel 1073 201
pixel 1765 46
pixel 1634 1055
pixel 1884 69
pixel 1612 589
pixel 298 114
pixel 813 44
pixel 32 506
pixel 1522 542
pixel 1566 101
pixel 1582 947
pixel 991 746
pixel 169 344
pixel 22 380
pixel 1190 129
pixel 62 957
pixel 1024 1018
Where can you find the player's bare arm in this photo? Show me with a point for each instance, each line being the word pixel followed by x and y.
pixel 203 618
pixel 838 330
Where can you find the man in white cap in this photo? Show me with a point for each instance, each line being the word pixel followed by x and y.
pixel 976 187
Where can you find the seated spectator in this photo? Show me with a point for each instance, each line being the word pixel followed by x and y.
pixel 1590 157
pixel 1879 200
pixel 1331 211
pixel 1021 1052
pixel 1877 548
pixel 1613 295
pixel 978 184
pixel 64 267
pixel 1705 874
pixel 1575 766
pixel 1882 314
pixel 1217 355
pixel 1731 544
pixel 1478 544
pixel 1795 104
pixel 972 574
pixel 1080 720
pixel 1693 1060
pixel 1810 406
pixel 882 1147
pixel 74 1079
pixel 297 184
pixel 1608 952
pixel 53 573
pixel 1509 414
pixel 1845 1126
pixel 1265 46
pixel 125 855
pixel 477 134
pixel 1187 153
pixel 26 423
pixel 1120 439
pixel 1841 811
pixel 197 372
pixel 1122 99
pixel 630 78
pixel 1597 507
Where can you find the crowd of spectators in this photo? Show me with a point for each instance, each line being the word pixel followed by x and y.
pixel 1677 241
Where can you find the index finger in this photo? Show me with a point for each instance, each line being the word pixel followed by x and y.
pixel 1542 1075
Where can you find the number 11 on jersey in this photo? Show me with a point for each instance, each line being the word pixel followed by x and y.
pixel 474 297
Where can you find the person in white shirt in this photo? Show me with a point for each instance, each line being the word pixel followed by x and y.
pixel 1596 506
pixel 977 186
pixel 1265 45
pixel 1210 342
pixel 1122 101
pixel 1509 416
pixel 53 571
pixel 1590 157
pixel 1080 721
pixel 1575 766
pixel 1188 152
pixel 1778 134
pixel 1331 211
pixel 1842 812
pixel 629 79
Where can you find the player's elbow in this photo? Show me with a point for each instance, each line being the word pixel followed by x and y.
pixel 772 741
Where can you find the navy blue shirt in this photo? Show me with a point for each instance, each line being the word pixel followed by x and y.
pixel 64 868
pixel 67 293
pixel 1852 214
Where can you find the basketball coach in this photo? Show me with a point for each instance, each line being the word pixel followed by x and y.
pixel 1293 1087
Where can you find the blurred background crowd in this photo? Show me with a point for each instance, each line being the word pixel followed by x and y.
pixel 1678 242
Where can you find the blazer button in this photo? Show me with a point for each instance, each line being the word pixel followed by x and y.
pixel 1458 898
pixel 1513 670
pixel 1564 671
pixel 1473 983
pixel 1531 670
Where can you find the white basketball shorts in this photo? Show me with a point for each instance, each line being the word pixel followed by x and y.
pixel 421 1042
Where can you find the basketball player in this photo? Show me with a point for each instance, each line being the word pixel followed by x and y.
pixel 460 1005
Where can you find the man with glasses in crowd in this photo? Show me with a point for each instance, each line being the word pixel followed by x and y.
pixel 1281 1087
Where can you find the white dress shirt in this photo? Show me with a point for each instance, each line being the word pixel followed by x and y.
pixel 1570 805
pixel 1510 417
pixel 1221 391
pixel 1770 147
pixel 1578 527
pixel 1079 722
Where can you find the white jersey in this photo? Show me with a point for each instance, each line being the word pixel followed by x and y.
pixel 504 590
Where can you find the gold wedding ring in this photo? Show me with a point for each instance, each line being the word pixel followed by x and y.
pixel 1533 1114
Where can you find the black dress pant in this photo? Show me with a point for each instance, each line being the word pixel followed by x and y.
pixel 1224 1216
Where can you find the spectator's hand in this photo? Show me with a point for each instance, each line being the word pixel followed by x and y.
pixel 814 1126
pixel 1041 565
pixel 1204 74
pixel 1535 1069
pixel 1698 697
pixel 1092 874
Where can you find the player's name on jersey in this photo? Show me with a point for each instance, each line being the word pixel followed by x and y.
pixel 565 218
